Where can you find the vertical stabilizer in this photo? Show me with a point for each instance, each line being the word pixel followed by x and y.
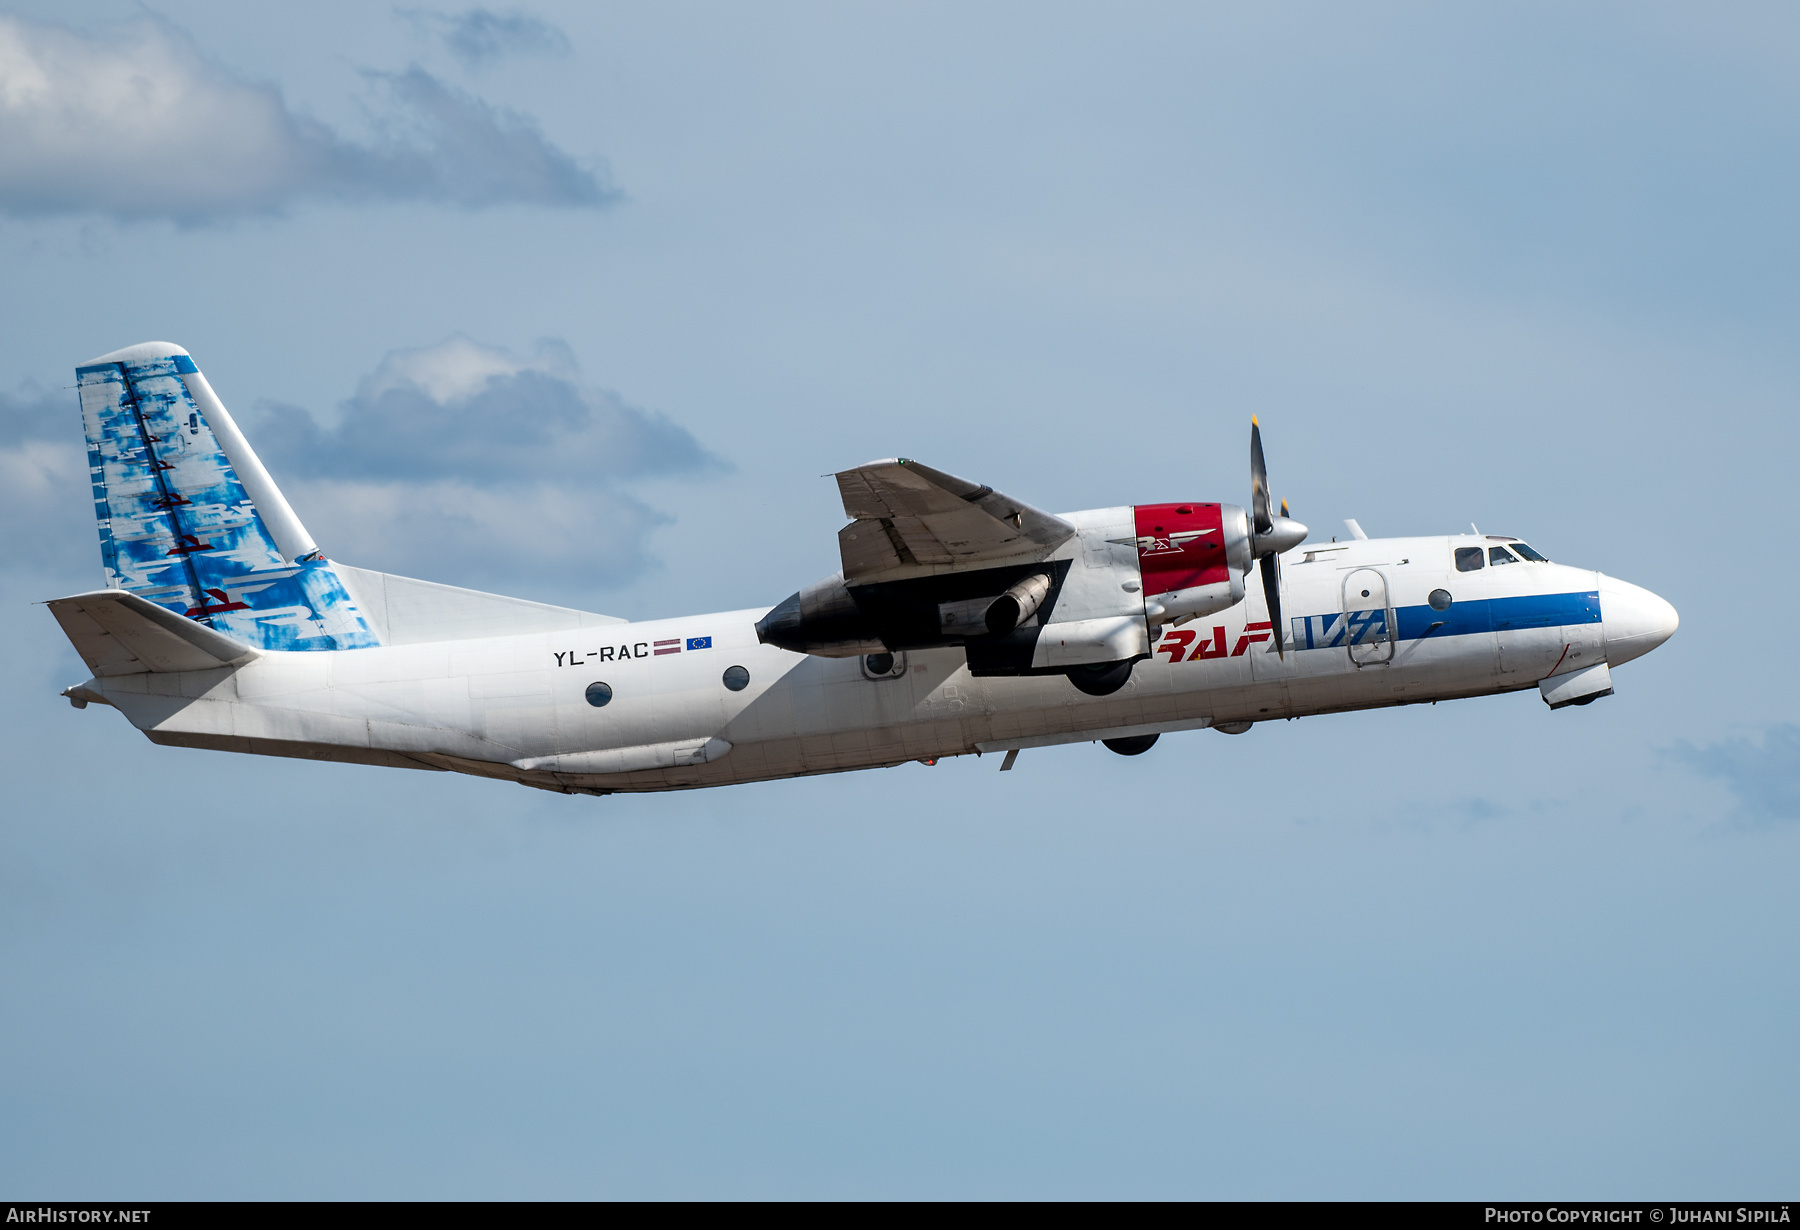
pixel 190 519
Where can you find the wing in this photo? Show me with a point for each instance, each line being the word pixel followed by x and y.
pixel 910 520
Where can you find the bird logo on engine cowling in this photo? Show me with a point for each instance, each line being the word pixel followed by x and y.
pixel 1162 544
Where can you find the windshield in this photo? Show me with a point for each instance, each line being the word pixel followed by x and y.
pixel 1529 554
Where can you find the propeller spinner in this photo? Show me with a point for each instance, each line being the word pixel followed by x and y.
pixel 1270 534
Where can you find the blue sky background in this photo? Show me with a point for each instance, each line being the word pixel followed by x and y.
pixel 1532 266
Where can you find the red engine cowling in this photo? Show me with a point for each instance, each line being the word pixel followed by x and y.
pixel 1193 558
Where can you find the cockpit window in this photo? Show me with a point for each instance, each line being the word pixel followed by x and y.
pixel 1500 555
pixel 1529 554
pixel 1468 559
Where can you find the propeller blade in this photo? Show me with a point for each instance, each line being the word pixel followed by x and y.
pixel 1262 518
pixel 1271 579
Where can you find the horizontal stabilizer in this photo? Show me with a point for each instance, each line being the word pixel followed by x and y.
pixel 117 633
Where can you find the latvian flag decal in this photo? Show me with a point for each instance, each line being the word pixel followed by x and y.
pixel 663 647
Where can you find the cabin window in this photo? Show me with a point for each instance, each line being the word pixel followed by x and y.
pixel 1468 559
pixel 1500 555
pixel 736 678
pixel 598 694
pixel 1439 599
pixel 1529 554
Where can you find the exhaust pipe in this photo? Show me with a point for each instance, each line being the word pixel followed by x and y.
pixel 1017 604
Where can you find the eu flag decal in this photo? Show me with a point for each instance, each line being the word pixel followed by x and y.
pixel 699 642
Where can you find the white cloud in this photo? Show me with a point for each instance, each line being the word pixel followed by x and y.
pixel 458 462
pixel 37 476
pixel 472 464
pixel 45 499
pixel 459 368
pixel 482 415
pixel 136 123
pixel 478 37
pixel 1765 779
pixel 545 541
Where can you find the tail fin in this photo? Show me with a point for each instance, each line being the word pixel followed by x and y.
pixel 191 521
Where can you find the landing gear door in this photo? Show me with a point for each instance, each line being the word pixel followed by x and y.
pixel 1368 619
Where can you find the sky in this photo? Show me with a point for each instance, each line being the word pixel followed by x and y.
pixel 580 302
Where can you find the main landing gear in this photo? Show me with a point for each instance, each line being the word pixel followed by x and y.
pixel 1101 678
pixel 1131 745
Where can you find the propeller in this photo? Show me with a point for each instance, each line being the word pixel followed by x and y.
pixel 1269 535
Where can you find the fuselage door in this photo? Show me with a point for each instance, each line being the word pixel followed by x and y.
pixel 1369 622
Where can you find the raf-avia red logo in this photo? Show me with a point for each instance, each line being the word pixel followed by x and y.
pixel 1176 643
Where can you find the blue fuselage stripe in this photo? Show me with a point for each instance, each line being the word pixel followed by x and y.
pixel 1500 615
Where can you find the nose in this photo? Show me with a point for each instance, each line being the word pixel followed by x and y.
pixel 1635 620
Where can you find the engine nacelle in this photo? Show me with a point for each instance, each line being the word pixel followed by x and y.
pixel 822 619
pixel 1190 560
pixel 1193 558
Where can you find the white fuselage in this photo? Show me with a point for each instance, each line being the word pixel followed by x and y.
pixel 516 707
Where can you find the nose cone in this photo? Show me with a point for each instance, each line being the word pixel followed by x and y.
pixel 1636 620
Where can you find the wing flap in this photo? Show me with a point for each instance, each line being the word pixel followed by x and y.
pixel 117 633
pixel 908 516
pixel 869 547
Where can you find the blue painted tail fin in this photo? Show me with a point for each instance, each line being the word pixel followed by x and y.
pixel 191 521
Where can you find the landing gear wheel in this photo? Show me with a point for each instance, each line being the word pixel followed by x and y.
pixel 1101 679
pixel 1131 745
